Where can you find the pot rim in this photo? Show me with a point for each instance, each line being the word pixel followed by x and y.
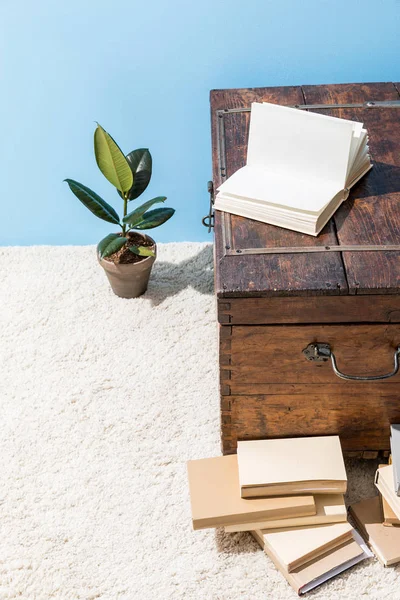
pixel 112 266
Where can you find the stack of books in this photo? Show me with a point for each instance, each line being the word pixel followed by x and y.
pixel 300 168
pixel 378 518
pixel 289 494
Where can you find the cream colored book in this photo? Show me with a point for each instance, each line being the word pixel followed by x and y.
pixel 384 483
pixel 216 502
pixel 384 541
pixel 291 466
pixel 295 546
pixel 330 509
pixel 389 517
pixel 321 569
pixel 300 167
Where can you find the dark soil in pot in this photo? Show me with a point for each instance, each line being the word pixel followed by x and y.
pixel 125 256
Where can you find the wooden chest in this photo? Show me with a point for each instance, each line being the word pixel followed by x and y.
pixel 292 307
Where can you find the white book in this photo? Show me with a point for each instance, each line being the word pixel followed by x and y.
pixel 300 167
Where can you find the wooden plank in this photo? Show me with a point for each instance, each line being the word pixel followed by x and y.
pixel 370 454
pixel 372 388
pixel 225 337
pixel 273 354
pixel 362 422
pixel 371 214
pixel 311 309
pixel 266 275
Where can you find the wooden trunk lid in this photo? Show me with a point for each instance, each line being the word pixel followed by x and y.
pixel 369 217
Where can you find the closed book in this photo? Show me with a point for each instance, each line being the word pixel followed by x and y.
pixel 330 508
pixel 384 541
pixel 395 449
pixel 309 465
pixel 216 501
pixel 384 483
pixel 296 546
pixel 323 568
pixel 389 517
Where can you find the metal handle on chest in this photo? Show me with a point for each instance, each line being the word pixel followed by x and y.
pixel 322 352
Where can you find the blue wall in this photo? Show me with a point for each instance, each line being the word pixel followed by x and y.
pixel 144 71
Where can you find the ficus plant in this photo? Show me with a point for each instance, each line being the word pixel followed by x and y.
pixel 130 175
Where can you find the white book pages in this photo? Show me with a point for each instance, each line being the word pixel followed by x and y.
pixel 255 182
pixel 302 144
pixel 300 166
pixel 357 139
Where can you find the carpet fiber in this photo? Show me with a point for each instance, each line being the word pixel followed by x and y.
pixel 102 402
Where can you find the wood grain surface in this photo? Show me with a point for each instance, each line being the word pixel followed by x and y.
pixel 272 306
pixel 369 216
pixel 310 309
pixel 273 354
pixel 269 389
pixel 361 421
pixel 260 275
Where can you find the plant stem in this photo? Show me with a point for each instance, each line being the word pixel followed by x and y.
pixel 125 211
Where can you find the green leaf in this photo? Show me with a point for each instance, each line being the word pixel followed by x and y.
pixel 93 202
pixel 136 215
pixel 154 218
pixel 142 250
pixel 110 244
pixel 140 162
pixel 111 160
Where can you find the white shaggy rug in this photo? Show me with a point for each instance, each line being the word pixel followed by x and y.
pixel 102 402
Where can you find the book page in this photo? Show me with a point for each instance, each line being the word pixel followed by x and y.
pixel 292 142
pixel 261 184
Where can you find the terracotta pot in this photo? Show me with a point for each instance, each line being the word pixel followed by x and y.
pixel 130 280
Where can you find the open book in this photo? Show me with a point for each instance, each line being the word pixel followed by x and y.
pixel 300 167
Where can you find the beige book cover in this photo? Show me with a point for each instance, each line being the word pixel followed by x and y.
pixel 330 508
pixel 320 569
pixel 384 483
pixel 296 546
pixel 384 541
pixel 389 517
pixel 216 501
pixel 291 466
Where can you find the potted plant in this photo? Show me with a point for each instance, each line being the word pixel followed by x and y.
pixel 128 255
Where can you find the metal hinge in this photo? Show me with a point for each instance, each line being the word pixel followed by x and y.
pixel 208 220
pixel 369 104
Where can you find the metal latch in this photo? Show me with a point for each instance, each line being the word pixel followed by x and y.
pixel 208 220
